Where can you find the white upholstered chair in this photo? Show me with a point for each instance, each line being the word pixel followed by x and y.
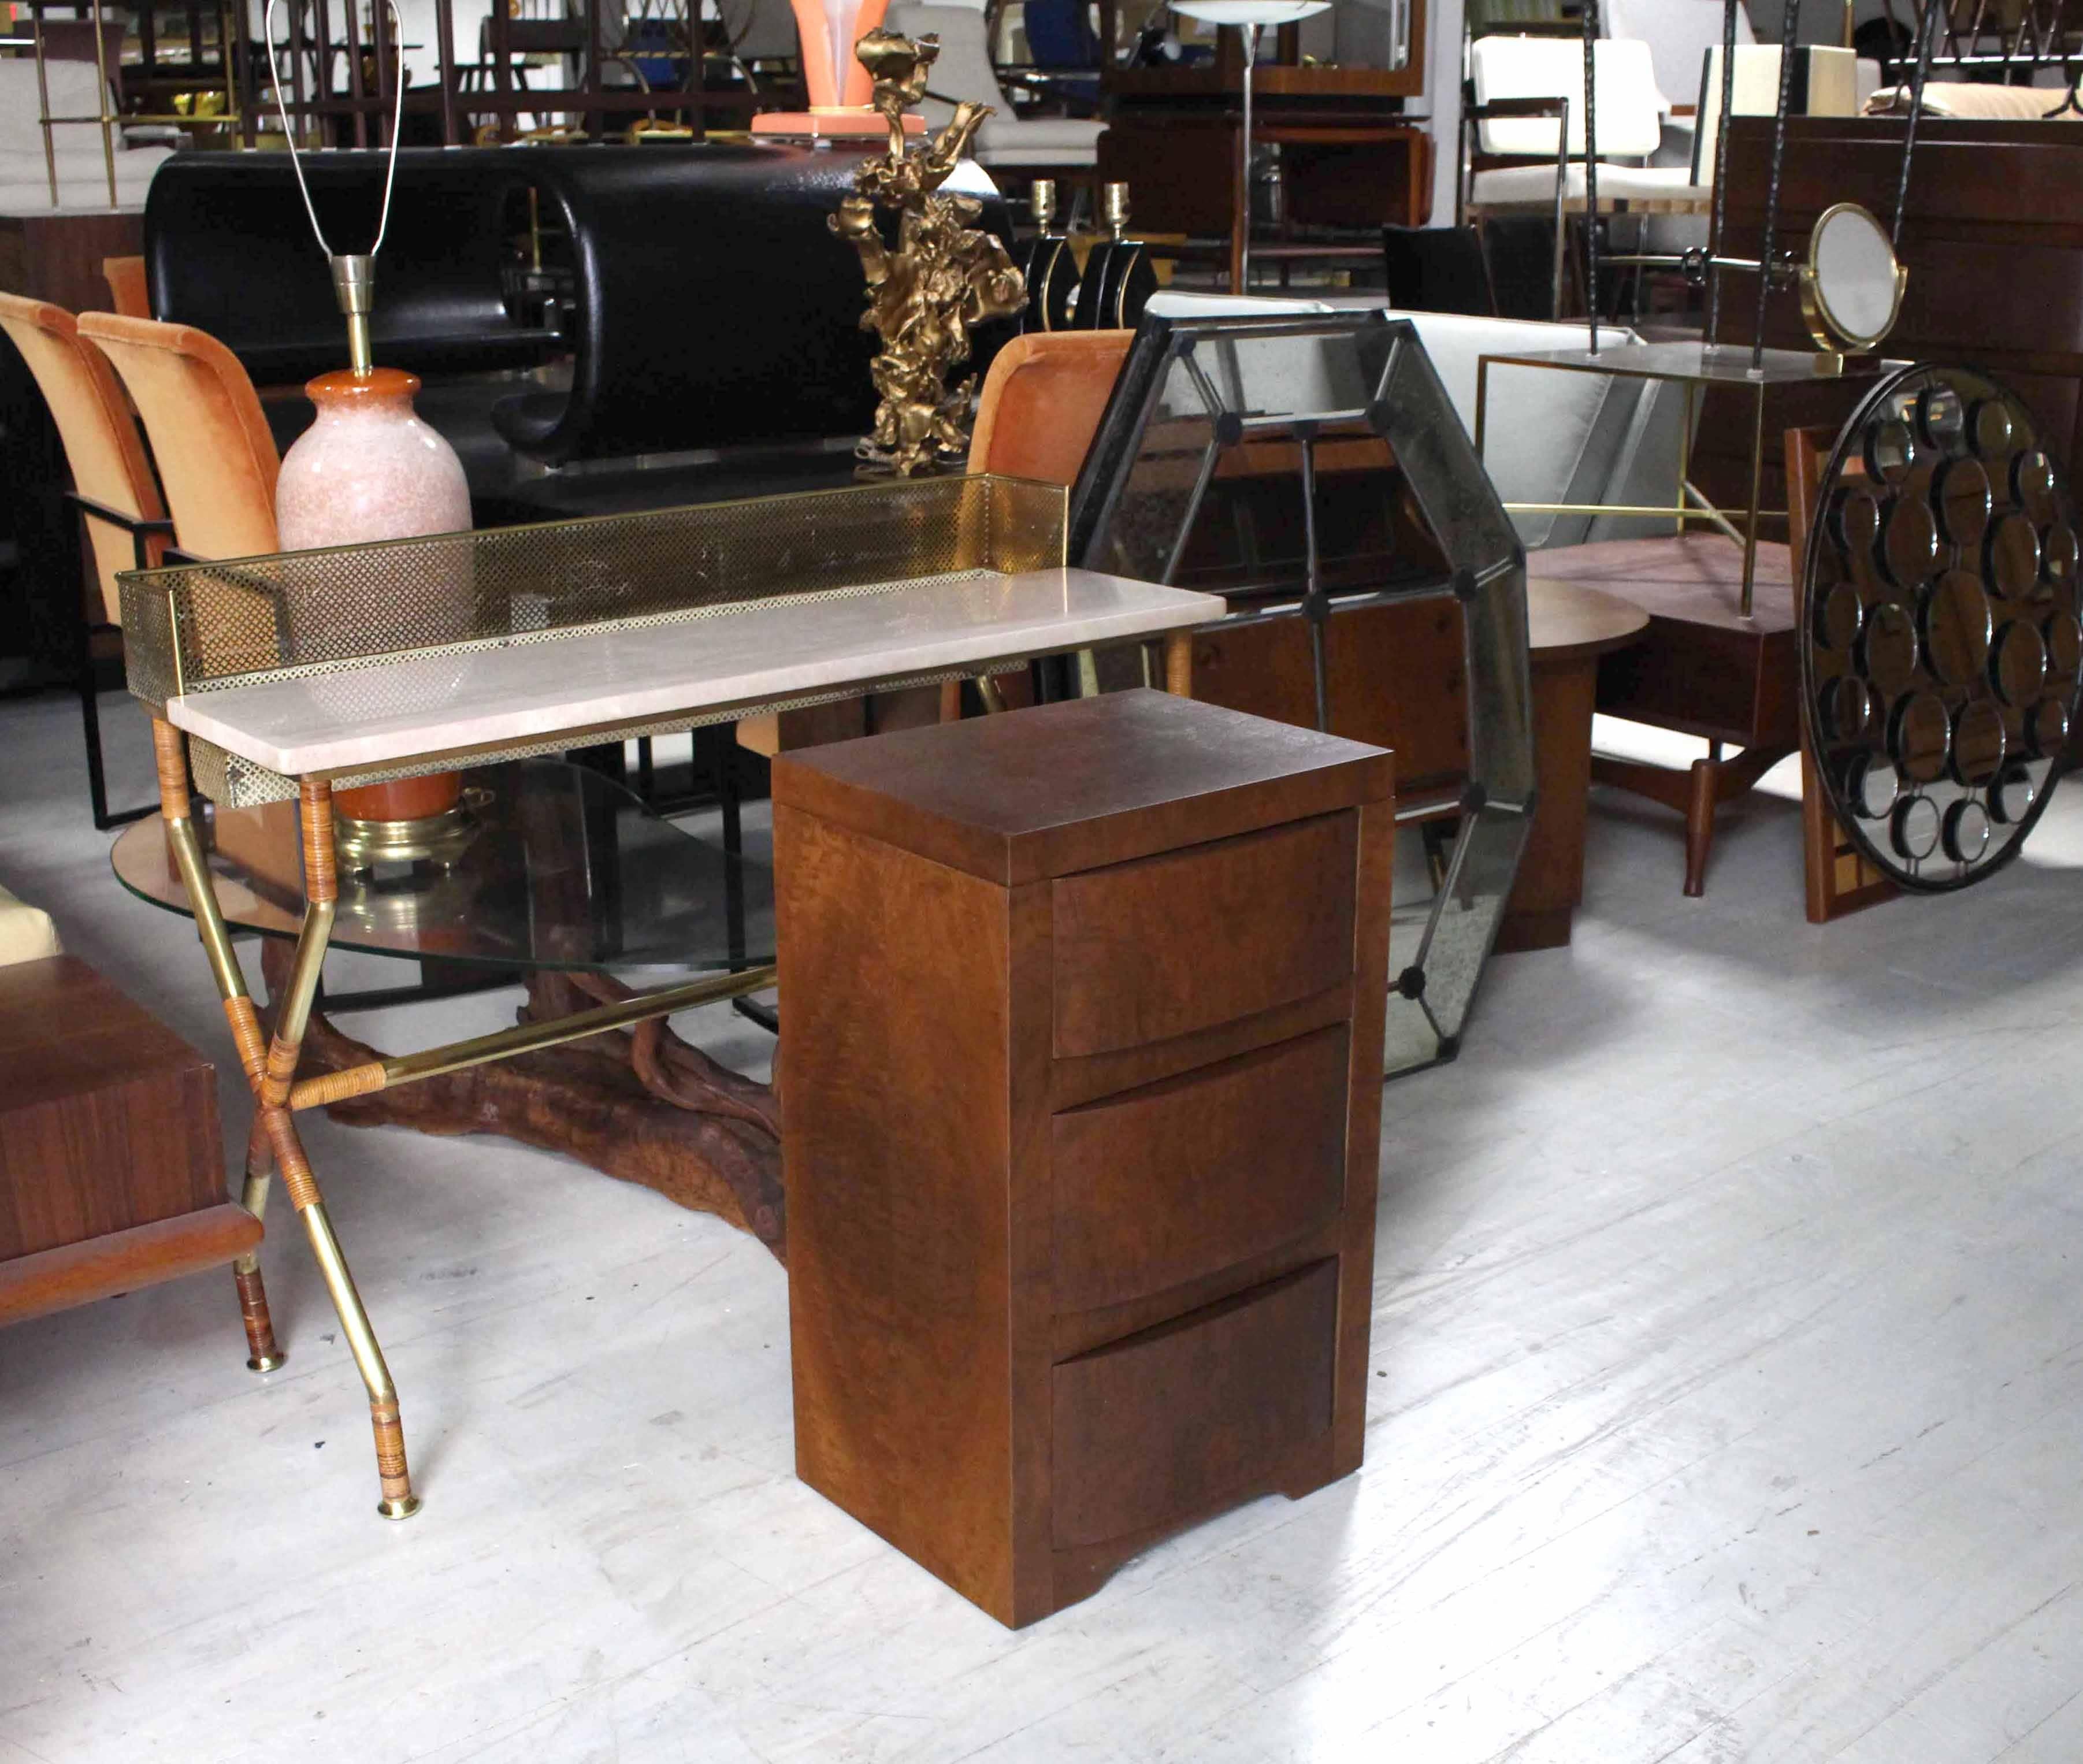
pixel 82 176
pixel 1630 126
pixel 964 71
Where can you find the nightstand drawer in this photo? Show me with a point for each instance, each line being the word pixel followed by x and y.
pixel 1147 951
pixel 1166 1423
pixel 1161 1185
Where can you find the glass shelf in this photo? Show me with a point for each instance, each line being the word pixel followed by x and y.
pixel 566 870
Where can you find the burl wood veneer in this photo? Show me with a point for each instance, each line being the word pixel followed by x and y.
pixel 1081 1061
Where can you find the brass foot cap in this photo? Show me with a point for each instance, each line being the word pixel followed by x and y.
pixel 398 1509
pixel 265 1362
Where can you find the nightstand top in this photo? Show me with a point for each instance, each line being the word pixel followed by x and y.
pixel 1119 777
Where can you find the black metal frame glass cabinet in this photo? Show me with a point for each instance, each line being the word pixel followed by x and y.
pixel 1220 432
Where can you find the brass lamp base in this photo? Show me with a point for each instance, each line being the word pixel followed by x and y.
pixel 442 839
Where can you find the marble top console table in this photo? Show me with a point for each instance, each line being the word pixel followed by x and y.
pixel 272 680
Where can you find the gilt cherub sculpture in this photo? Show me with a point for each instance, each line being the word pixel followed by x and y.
pixel 945 275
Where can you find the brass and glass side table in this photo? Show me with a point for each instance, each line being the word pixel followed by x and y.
pixel 271 681
pixel 1696 368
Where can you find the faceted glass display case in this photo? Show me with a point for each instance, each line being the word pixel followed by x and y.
pixel 1311 470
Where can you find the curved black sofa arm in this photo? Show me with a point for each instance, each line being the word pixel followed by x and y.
pixel 710 307
pixel 713 306
pixel 228 249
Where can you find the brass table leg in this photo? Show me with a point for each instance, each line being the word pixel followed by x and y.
pixel 263 1353
pixel 272 1073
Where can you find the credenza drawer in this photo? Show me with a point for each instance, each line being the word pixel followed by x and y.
pixel 1167 1422
pixel 1166 946
pixel 1161 1185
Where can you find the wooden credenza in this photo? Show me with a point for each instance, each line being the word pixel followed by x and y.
pixel 1080 1061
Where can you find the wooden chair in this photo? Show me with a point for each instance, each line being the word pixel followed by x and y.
pixel 113 483
pixel 1836 879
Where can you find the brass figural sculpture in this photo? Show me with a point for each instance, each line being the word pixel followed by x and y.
pixel 944 276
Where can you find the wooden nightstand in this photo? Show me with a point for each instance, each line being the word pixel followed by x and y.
pixel 1081 1039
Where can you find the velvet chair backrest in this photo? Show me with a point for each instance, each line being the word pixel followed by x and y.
pixel 1042 401
pixel 101 435
pixel 127 288
pixel 217 457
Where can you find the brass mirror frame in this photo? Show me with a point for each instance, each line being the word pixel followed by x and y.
pixel 1823 326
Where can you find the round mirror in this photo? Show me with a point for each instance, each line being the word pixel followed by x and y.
pixel 1942 681
pixel 1851 286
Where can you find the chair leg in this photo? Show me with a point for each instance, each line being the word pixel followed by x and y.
pixel 1700 824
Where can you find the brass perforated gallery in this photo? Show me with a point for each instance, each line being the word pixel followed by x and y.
pixel 343 612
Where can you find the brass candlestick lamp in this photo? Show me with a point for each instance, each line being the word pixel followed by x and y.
pixel 945 276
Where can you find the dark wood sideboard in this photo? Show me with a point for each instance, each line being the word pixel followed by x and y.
pixel 1082 1053
pixel 1994 239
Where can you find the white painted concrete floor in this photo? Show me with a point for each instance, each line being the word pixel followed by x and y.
pixel 1727 1405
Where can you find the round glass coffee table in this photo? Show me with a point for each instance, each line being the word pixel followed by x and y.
pixel 570 886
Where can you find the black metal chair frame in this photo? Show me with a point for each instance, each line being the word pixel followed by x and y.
pixel 89 702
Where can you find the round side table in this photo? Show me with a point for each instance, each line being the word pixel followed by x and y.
pixel 1568 627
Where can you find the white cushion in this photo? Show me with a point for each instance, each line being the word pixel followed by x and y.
pixel 1630 108
pixel 82 176
pixel 1185 303
pixel 1679 33
pixel 26 932
pixel 1950 98
pixel 1826 83
pixel 1009 141
pixel 1557 437
pixel 1534 185
pixel 962 71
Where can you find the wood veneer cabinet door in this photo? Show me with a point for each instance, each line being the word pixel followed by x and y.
pixel 1168 945
pixel 1177 1180
pixel 1171 1419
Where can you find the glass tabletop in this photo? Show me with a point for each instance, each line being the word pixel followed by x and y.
pixel 1727 365
pixel 565 869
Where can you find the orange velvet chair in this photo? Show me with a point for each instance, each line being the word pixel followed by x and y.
pixel 109 471
pixel 127 286
pixel 1042 401
pixel 217 457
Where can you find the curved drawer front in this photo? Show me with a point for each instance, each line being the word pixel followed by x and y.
pixel 1166 946
pixel 1166 1423
pixel 1160 1185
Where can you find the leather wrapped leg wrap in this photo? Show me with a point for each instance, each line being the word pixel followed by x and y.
pixel 280 1075
pixel 390 1469
pixel 253 1311
pixel 169 754
pixel 246 1037
pixel 302 1187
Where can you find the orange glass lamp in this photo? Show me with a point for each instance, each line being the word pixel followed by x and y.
pixel 838 85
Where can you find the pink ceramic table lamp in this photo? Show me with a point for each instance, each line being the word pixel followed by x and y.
pixel 837 84
pixel 368 468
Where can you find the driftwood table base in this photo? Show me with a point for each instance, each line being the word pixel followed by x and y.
pixel 641 1104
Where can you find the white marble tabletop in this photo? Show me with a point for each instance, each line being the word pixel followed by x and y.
pixel 422 704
